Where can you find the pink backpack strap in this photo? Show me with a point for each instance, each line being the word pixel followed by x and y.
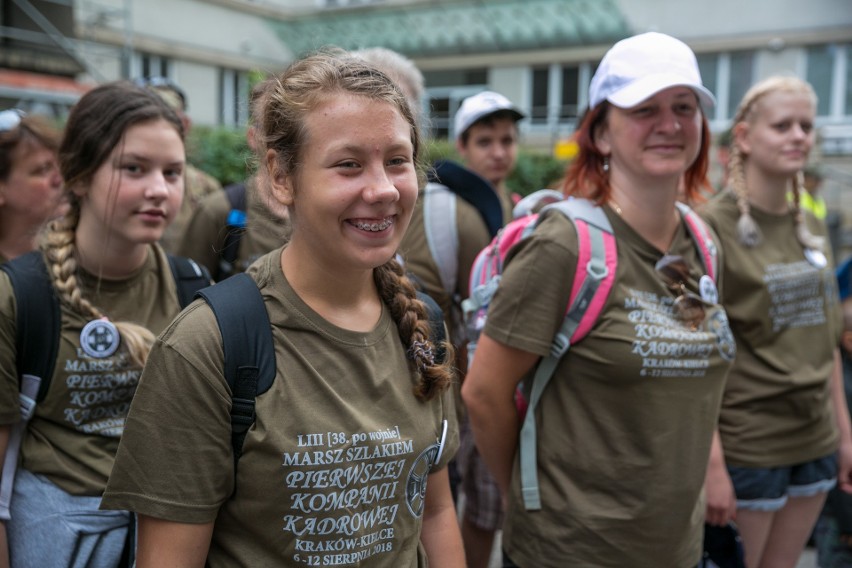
pixel 593 280
pixel 703 241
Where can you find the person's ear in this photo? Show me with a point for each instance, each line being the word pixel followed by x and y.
pixel 461 148
pixel 281 184
pixel 740 134
pixel 602 141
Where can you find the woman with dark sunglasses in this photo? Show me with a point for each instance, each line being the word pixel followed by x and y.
pixel 784 414
pixel 30 184
pixel 624 427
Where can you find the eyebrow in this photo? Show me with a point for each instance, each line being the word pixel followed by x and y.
pixel 143 158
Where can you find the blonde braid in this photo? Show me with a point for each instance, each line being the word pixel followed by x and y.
pixel 58 247
pixel 803 234
pixel 414 328
pixel 748 232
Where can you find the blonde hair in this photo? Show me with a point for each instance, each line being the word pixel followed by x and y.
pixel 294 95
pixel 747 230
pixel 95 127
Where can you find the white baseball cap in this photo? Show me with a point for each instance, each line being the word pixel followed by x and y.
pixel 481 105
pixel 637 68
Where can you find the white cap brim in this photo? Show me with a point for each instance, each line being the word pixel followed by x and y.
pixel 646 87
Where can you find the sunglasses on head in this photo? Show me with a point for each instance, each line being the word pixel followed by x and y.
pixel 689 307
pixel 162 83
pixel 10 119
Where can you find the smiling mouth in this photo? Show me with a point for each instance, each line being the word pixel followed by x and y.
pixel 374 226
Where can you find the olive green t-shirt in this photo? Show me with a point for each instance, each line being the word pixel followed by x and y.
pixel 785 316
pixel 625 424
pixel 73 436
pixel 472 238
pixel 334 470
pixel 205 233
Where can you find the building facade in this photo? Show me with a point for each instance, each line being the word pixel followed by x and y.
pixel 540 53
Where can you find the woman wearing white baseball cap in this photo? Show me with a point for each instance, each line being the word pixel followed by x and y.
pixel 624 427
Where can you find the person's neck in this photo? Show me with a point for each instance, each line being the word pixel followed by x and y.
pixel 648 209
pixel 767 192
pixel 108 258
pixel 345 298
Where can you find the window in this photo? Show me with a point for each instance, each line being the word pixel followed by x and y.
pixel 558 94
pixel 233 97
pixel 570 108
pixel 830 74
pixel 540 91
pixel 820 71
pixel 148 65
pixel 741 75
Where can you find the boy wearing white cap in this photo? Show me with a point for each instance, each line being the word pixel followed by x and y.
pixel 486 135
pixel 440 246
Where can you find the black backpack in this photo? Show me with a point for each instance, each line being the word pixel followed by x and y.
pixel 38 317
pixel 248 348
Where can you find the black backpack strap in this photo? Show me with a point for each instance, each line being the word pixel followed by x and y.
pixel 235 227
pixel 190 277
pixel 38 318
pixel 436 323
pixel 473 188
pixel 247 344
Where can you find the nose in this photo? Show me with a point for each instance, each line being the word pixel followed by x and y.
pixel 379 187
pixel 157 186
pixel 669 121
pixel 799 132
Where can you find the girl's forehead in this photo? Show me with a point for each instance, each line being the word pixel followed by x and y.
pixel 777 102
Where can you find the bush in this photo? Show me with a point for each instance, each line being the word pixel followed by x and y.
pixel 221 152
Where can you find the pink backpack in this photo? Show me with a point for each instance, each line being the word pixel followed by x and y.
pixel 596 268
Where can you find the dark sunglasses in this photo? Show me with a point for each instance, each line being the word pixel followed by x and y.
pixel 10 119
pixel 689 307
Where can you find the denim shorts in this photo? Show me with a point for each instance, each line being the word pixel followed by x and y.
pixel 767 489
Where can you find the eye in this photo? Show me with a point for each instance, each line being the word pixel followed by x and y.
pixel 686 109
pixel 44 169
pixel 642 111
pixel 173 173
pixel 131 168
pixel 347 164
pixel 782 126
pixel 806 127
pixel 398 161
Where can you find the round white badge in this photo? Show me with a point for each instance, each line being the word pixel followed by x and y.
pixel 707 289
pixel 816 257
pixel 99 338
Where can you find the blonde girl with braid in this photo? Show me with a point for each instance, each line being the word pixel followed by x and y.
pixel 784 436
pixel 122 160
pixel 345 464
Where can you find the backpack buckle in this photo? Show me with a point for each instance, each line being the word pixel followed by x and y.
pixel 560 345
pixel 242 414
pixel 28 405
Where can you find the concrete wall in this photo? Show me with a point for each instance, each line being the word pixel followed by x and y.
pixel 702 19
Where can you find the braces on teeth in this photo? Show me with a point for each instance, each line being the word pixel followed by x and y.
pixel 374 226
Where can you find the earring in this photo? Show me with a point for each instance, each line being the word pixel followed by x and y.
pixel 606 164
